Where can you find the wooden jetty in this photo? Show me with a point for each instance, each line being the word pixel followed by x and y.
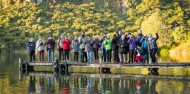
pixel 103 67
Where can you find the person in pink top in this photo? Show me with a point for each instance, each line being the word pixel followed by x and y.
pixel 66 47
pixel 138 58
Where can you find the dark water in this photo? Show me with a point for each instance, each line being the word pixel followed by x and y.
pixel 14 82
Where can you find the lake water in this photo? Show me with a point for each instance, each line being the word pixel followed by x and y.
pixel 14 82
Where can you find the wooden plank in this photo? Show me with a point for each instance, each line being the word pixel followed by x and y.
pixel 157 65
pixel 41 64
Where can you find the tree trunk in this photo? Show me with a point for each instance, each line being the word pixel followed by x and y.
pixel 124 6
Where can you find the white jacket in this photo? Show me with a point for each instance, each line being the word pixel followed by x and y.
pixel 40 47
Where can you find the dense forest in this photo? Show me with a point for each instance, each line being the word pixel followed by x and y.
pixel 21 19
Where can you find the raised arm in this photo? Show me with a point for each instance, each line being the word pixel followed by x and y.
pixel 157 36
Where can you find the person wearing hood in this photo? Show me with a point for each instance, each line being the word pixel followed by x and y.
pixel 75 46
pixel 153 48
pixel 50 48
pixel 60 47
pixel 96 45
pixel 31 45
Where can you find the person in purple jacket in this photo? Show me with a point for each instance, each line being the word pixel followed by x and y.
pixel 96 46
pixel 132 45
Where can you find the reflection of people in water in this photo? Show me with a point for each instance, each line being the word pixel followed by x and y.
pixel 108 85
pixel 40 85
pixel 103 84
pixel 75 89
pixel 65 89
pixel 50 85
pixel 32 88
pixel 83 84
pixel 138 86
pixel 152 86
pixel 89 86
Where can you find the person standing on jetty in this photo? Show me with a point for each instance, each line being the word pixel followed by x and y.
pixel 153 48
pixel 119 35
pixel 139 37
pixel 40 47
pixel 96 46
pixel 50 48
pixel 115 49
pixel 132 46
pixel 60 47
pixel 66 48
pixel 108 47
pixel 88 49
pixel 31 45
pixel 102 47
pixel 75 47
pixel 145 49
pixel 122 43
pixel 82 48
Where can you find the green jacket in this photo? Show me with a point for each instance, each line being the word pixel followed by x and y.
pixel 108 44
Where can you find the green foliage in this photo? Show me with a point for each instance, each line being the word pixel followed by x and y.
pixel 164 53
pixel 21 20
pixel 30 19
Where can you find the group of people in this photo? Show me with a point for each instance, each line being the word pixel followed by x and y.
pixel 125 48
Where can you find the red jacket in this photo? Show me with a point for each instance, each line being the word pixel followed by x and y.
pixel 138 59
pixel 66 44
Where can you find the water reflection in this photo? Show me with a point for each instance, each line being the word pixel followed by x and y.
pixel 54 83
pixel 100 84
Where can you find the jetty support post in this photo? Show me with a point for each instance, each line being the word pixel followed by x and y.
pixel 153 71
pixel 20 62
pixel 104 70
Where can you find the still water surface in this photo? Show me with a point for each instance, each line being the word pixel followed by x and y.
pixel 13 82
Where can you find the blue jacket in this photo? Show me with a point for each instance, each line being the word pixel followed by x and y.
pixel 144 43
pixel 75 45
pixel 31 45
pixel 133 43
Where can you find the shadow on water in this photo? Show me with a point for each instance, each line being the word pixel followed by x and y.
pixel 76 83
